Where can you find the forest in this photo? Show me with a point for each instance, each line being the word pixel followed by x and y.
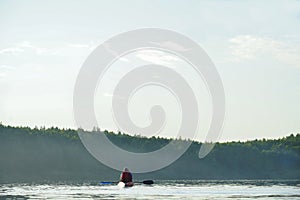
pixel 53 154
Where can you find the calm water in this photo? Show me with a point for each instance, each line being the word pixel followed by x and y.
pixel 160 190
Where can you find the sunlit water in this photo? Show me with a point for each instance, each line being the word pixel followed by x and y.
pixel 160 190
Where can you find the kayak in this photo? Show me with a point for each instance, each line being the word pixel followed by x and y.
pixel 129 184
pixel 123 185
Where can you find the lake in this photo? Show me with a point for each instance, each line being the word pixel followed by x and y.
pixel 202 189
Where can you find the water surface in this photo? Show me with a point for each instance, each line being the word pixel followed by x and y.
pixel 243 189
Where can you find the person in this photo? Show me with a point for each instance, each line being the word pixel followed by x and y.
pixel 126 177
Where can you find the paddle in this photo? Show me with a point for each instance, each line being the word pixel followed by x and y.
pixel 146 182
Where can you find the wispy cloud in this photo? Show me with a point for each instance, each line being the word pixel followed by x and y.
pixel 114 53
pixel 157 57
pixel 248 47
pixel 25 47
pixel 70 49
pixel 88 46
pixel 36 49
pixel 79 45
pixel 2 74
pixel 11 50
pixel 4 69
pixel 171 45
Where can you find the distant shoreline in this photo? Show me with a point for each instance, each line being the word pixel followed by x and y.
pixel 38 155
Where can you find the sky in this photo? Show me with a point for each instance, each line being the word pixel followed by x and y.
pixel 255 46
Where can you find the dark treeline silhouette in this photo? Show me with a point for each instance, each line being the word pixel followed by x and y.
pixel 53 154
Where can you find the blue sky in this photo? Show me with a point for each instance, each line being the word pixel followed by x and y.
pixel 255 46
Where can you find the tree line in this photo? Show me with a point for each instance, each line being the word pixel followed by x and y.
pixel 53 154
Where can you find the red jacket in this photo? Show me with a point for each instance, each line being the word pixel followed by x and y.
pixel 126 177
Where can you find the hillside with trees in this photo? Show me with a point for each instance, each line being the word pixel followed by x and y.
pixel 53 154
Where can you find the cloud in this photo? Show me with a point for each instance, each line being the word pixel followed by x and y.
pixel 29 49
pixel 4 69
pixel 36 49
pixel 25 47
pixel 2 74
pixel 171 45
pixel 247 47
pixel 78 45
pixel 114 53
pixel 123 59
pixel 157 57
pixel 11 51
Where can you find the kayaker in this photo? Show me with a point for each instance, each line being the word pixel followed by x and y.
pixel 126 177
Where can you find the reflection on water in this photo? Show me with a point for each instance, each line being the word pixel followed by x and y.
pixel 225 189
